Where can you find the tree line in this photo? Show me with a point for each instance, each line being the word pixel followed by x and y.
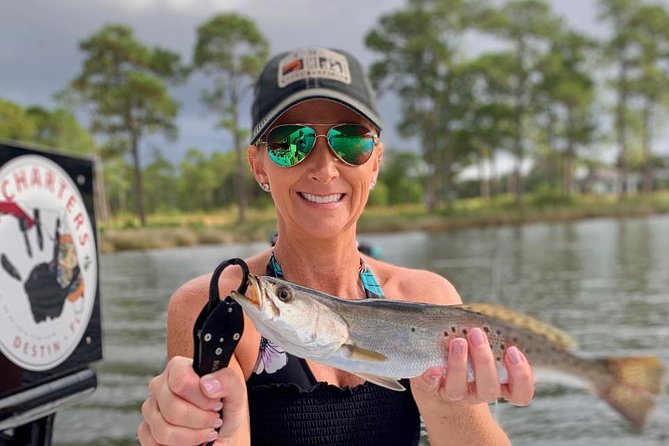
pixel 544 95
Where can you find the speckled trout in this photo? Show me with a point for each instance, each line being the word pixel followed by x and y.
pixel 384 340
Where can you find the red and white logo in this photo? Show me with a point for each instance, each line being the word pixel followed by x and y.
pixel 48 263
pixel 313 63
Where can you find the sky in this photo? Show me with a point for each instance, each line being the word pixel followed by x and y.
pixel 39 51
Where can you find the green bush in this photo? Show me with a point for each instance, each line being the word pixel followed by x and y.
pixel 379 195
pixel 130 222
pixel 545 196
pixel 407 192
pixel 262 202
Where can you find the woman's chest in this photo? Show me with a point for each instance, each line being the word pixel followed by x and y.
pixel 333 376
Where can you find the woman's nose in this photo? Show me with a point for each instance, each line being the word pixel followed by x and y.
pixel 324 164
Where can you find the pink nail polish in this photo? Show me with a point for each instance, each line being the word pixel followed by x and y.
pixel 476 336
pixel 212 386
pixel 514 355
pixel 212 436
pixel 458 347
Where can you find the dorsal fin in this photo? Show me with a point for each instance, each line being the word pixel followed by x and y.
pixel 525 321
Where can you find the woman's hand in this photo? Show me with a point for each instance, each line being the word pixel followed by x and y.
pixel 183 408
pixel 453 386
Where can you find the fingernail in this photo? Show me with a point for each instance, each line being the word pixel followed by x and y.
pixel 218 423
pixel 217 407
pixel 476 336
pixel 212 436
pixel 514 355
pixel 458 347
pixel 211 386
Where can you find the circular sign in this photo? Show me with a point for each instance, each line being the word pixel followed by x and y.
pixel 48 263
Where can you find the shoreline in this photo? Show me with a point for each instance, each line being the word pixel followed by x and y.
pixel 220 228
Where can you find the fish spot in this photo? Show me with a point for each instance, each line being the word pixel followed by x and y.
pixel 453 329
pixel 464 331
pixel 502 346
pixel 486 329
pixel 446 334
pixel 413 329
pixel 498 332
pixel 499 359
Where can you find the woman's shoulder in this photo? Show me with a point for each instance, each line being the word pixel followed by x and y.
pixel 188 300
pixel 196 290
pixel 415 285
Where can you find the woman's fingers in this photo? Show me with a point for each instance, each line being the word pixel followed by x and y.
pixel 455 384
pixel 179 400
pixel 179 412
pixel 520 389
pixel 183 381
pixel 487 385
pixel 144 435
pixel 156 430
pixel 228 386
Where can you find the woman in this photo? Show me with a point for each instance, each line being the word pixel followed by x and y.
pixel 320 100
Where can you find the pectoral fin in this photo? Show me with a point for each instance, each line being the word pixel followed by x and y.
pixel 355 352
pixel 388 383
pixel 361 354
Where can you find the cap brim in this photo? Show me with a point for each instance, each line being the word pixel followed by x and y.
pixel 314 93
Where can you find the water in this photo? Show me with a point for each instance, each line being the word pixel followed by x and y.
pixel 604 281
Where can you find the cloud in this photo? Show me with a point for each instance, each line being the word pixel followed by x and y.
pixel 167 6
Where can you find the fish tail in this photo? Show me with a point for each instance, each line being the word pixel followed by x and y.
pixel 638 383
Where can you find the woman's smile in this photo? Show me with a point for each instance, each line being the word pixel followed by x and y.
pixel 329 200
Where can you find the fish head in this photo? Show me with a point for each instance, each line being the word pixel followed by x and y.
pixel 290 316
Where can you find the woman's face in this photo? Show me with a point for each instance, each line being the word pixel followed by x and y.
pixel 321 195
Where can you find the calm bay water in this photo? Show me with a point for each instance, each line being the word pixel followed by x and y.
pixel 604 281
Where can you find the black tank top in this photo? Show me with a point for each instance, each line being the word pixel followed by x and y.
pixel 288 406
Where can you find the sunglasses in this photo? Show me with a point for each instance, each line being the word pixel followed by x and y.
pixel 289 144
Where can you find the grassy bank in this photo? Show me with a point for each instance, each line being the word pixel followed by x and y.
pixel 173 230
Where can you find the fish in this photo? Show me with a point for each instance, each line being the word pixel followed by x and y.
pixel 384 341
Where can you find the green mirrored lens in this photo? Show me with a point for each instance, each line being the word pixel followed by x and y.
pixel 352 143
pixel 287 145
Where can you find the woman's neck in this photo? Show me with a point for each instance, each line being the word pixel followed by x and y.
pixel 329 265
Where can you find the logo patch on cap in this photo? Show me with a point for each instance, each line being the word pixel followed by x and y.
pixel 313 63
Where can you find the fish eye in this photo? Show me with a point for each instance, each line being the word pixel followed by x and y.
pixel 284 295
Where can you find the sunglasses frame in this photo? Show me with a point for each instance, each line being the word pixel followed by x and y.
pixel 313 126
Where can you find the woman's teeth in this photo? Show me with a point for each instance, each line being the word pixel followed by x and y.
pixel 321 199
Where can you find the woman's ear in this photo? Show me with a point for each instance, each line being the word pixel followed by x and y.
pixel 377 158
pixel 256 161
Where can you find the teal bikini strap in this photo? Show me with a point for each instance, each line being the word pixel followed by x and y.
pixel 369 281
pixel 367 277
pixel 276 268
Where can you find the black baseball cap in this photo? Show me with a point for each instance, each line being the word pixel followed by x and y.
pixel 310 73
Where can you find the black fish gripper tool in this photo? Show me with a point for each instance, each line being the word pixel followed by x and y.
pixel 219 326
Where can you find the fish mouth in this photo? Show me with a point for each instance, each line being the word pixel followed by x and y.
pixel 252 293
pixel 255 298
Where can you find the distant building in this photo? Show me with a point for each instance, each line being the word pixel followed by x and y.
pixel 604 180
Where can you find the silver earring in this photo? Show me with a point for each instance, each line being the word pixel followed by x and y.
pixel 265 186
pixel 372 184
